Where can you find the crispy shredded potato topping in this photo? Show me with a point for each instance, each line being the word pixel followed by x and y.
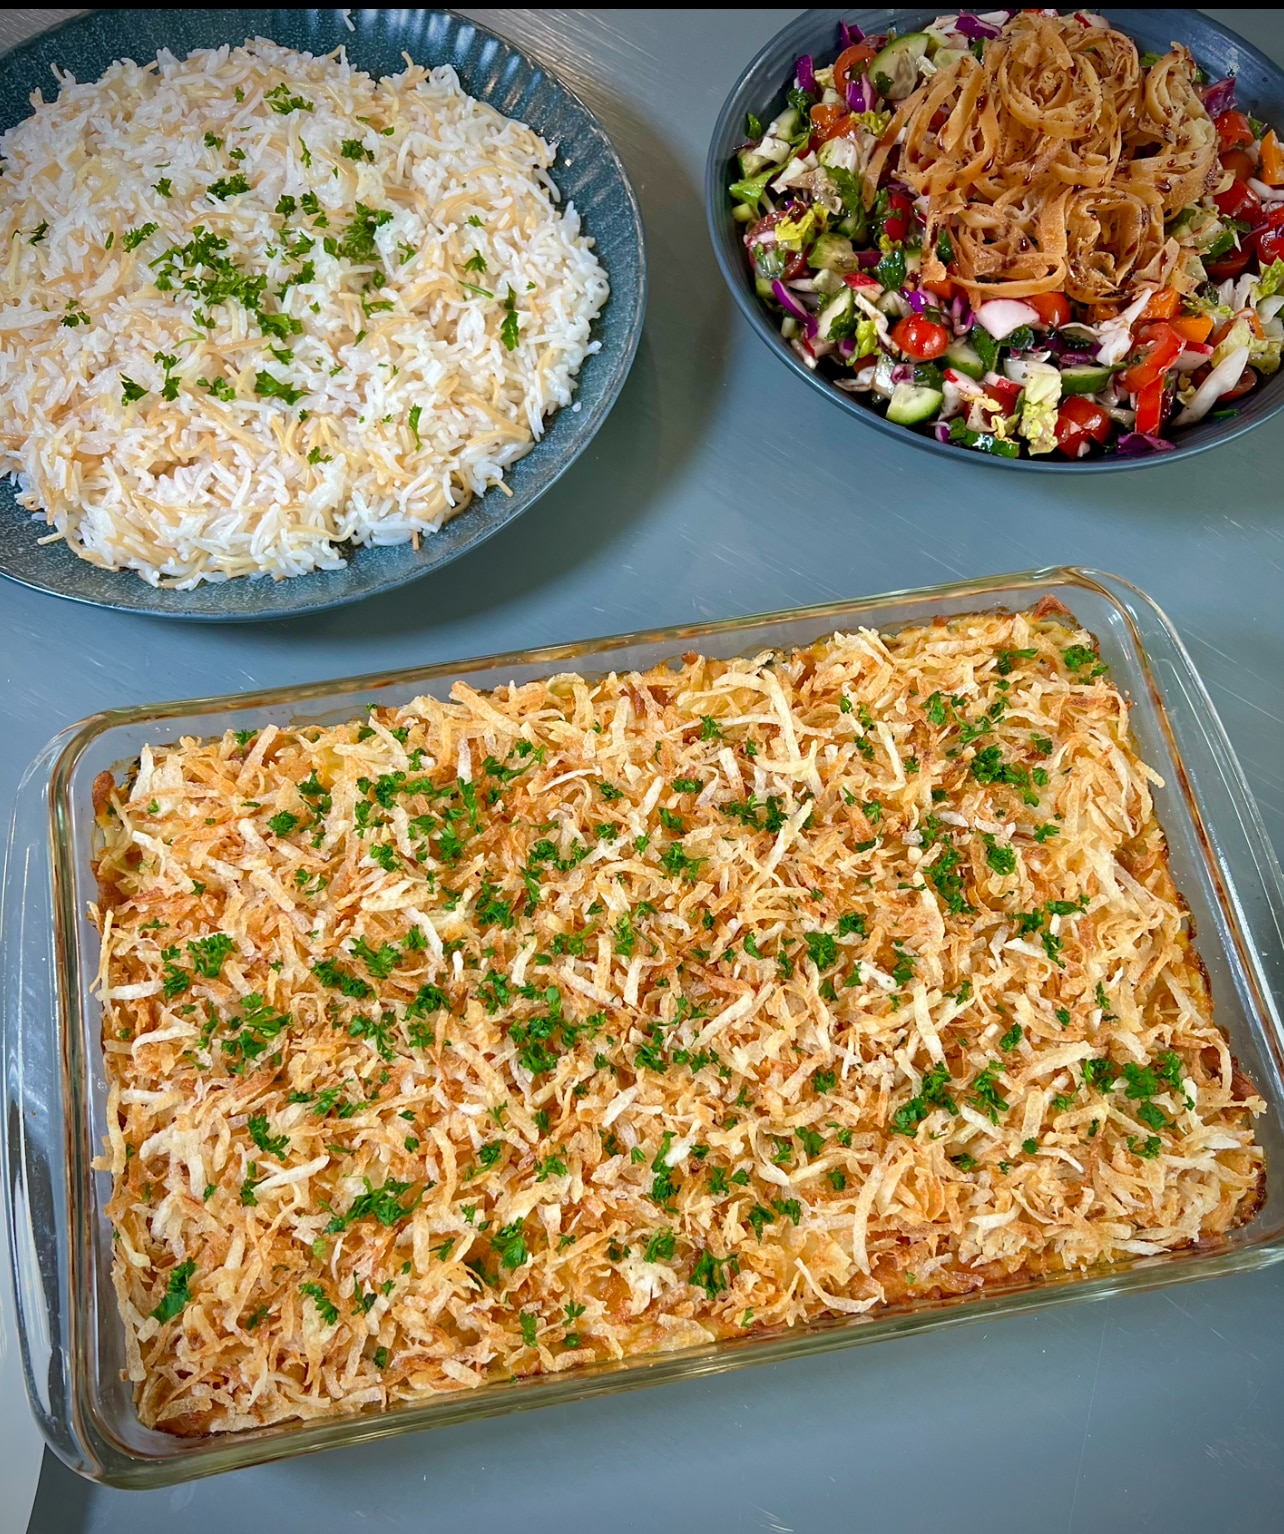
pixel 497 1036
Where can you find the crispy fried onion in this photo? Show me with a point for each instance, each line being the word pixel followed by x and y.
pixel 1053 161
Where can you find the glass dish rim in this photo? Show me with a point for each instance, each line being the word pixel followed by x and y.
pixel 717 220
pixel 95 1451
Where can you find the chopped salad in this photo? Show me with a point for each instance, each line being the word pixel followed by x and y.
pixel 867 290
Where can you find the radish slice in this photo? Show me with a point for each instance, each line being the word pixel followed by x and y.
pixel 1001 316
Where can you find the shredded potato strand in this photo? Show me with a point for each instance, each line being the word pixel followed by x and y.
pixel 644 1011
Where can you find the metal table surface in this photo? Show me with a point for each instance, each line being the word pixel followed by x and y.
pixel 721 485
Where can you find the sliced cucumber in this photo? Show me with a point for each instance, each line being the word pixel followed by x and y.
pixel 835 320
pixel 785 126
pixel 833 251
pixel 762 286
pixel 965 359
pixel 1087 378
pixel 944 57
pixel 751 162
pixel 894 72
pixel 855 226
pixel 911 404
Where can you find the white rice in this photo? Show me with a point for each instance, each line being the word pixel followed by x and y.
pixel 205 488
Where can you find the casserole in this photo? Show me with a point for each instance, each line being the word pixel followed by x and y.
pixel 56 1091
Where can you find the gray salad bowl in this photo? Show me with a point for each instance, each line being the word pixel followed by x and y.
pixel 761 89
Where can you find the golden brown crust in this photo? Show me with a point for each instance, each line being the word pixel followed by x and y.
pixel 645 1012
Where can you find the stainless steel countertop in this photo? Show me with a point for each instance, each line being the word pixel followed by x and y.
pixel 721 485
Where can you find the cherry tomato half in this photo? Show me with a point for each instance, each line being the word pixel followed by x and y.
pixel 1158 347
pixel 851 61
pixel 1247 382
pixel 1234 131
pixel 1004 392
pixel 1232 263
pixel 1240 164
pixel 1080 423
pixel 1270 241
pixel 899 212
pixel 1052 308
pixel 1239 202
pixel 921 338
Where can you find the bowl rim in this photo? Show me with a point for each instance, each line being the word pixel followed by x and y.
pixel 588 422
pixel 717 217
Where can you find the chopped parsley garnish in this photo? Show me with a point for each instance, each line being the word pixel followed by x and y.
pixel 276 388
pixel 381 961
pixel 209 952
pixel 325 1308
pixel 510 1242
pixel 354 149
pixel 130 391
pixel 42 228
pixel 510 330
pixel 250 1035
pixel 986 1094
pixel 177 1293
pixel 164 187
pixel 707 1274
pixel 1100 1073
pixel 416 411
pixel 1012 1037
pixel 220 388
pixel 946 879
pixel 1001 859
pixel 933 1093
pixel 283 823
pixel 822 949
pixel 661 1246
pixel 133 238
pixel 381 1204
pixel 358 240
pixel 269 1144
pixel 283 103
pixel 331 973
pixel 228 186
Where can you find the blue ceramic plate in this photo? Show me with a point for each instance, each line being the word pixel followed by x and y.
pixel 587 171
pixel 761 90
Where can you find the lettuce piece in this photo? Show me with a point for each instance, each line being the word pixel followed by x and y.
pixel 1240 334
pixel 1039 410
pixel 866 338
pixel 750 190
pixel 1271 281
pixel 794 233
pixel 1264 353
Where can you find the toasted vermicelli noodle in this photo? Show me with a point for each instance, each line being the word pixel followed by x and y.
pixel 258 305
pixel 496 1035
pixel 1053 161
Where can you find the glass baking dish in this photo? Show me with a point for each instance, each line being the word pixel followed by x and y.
pixel 54 1088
